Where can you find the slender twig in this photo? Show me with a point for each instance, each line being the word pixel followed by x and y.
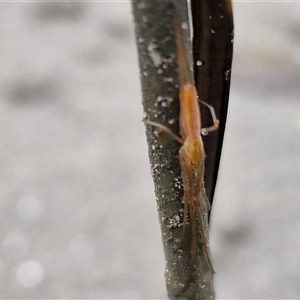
pixel 159 79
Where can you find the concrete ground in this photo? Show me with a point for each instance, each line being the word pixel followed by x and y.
pixel 78 215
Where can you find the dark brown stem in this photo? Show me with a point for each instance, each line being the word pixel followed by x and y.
pixel 212 48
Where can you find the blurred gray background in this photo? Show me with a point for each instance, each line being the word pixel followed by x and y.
pixel 78 215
